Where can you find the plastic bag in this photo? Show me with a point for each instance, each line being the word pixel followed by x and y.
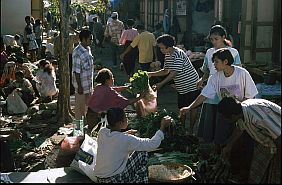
pixel 103 123
pixel 85 159
pixel 15 104
pixel 148 104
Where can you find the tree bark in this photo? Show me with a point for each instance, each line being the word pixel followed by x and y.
pixel 64 110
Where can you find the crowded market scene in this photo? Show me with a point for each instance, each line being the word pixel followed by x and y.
pixel 140 91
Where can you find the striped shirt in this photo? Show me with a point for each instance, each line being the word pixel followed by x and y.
pixel 262 121
pixel 82 63
pixel 187 76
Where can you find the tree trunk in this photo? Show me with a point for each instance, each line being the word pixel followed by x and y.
pixel 64 110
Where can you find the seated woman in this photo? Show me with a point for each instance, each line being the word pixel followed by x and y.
pixel 23 86
pixel 106 96
pixel 46 81
pixel 121 156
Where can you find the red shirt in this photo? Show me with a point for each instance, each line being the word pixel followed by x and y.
pixel 105 97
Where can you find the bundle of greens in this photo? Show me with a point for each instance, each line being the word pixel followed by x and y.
pixel 148 125
pixel 139 82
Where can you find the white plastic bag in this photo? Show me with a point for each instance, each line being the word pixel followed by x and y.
pixel 15 104
pixel 85 159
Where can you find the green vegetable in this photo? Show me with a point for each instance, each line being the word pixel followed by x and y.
pixel 139 82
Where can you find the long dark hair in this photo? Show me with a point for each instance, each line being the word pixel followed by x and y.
pixel 221 31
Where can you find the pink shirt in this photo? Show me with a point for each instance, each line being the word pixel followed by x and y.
pixel 128 34
pixel 105 97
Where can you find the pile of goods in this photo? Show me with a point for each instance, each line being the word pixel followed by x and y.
pixel 169 172
pixel 173 157
pixel 139 82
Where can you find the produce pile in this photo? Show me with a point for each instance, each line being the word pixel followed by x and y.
pixel 177 147
pixel 173 157
pixel 148 125
pixel 139 82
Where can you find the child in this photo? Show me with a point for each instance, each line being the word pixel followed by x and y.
pixel 32 46
pixel 122 157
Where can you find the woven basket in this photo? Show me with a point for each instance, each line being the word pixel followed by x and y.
pixel 174 166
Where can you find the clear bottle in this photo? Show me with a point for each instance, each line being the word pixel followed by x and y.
pixel 78 127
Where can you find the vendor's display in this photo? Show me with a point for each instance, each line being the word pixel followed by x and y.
pixel 169 172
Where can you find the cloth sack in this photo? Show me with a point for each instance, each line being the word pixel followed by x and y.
pixel 15 104
pixel 85 159
pixel 103 123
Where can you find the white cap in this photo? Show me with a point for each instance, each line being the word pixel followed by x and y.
pixel 94 16
pixel 114 14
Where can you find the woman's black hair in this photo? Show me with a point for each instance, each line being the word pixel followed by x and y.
pixel 221 31
pixel 223 54
pixel 228 106
pixel 115 115
pixel 103 75
pixel 166 40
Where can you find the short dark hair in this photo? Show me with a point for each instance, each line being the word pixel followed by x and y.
pixel 223 54
pixel 27 18
pixel 19 74
pixel 115 115
pixel 166 40
pixel 228 106
pixel 130 22
pixel 140 27
pixel 103 75
pixel 84 34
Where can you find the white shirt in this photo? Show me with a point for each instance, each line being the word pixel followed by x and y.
pixel 115 147
pixel 239 85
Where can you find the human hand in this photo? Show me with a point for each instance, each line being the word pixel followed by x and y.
pixel 183 111
pixel 199 84
pixel 131 132
pixel 166 122
pixel 157 86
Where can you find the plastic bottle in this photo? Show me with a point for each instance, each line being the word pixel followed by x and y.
pixel 78 127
